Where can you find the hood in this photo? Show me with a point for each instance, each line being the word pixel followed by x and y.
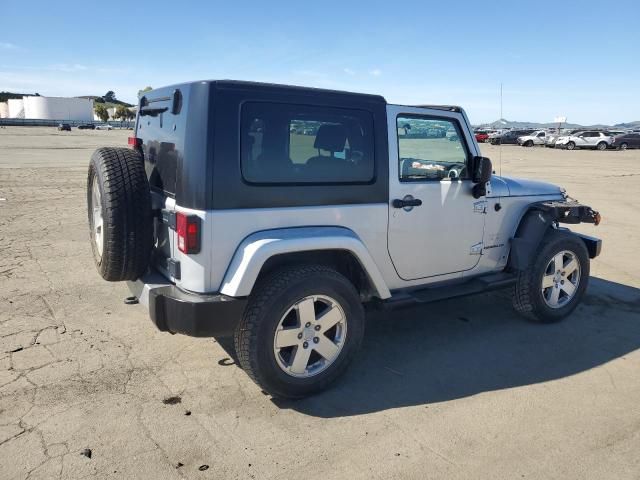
pixel 520 187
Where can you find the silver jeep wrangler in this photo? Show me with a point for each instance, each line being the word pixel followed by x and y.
pixel 276 213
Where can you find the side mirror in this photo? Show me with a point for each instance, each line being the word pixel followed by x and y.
pixel 481 174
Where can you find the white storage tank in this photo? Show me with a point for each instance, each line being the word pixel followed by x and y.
pixel 16 108
pixel 4 110
pixel 58 108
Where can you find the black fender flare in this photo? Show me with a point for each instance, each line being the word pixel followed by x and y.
pixel 531 230
pixel 537 221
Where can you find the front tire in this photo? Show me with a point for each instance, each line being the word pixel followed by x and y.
pixel 571 146
pixel 528 143
pixel 624 146
pixel 555 281
pixel 301 328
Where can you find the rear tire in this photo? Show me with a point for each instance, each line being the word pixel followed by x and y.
pixel 547 296
pixel 119 209
pixel 602 146
pixel 280 303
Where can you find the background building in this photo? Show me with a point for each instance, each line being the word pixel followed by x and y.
pixel 16 108
pixel 4 110
pixel 58 108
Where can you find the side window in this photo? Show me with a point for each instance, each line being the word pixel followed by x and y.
pixel 302 144
pixel 541 134
pixel 430 148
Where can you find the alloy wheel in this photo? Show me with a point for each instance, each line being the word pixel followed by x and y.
pixel 98 223
pixel 310 336
pixel 561 279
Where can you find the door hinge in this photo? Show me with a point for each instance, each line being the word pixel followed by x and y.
pixel 476 249
pixel 169 217
pixel 173 266
pixel 480 207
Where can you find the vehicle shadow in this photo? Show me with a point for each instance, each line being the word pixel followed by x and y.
pixel 461 347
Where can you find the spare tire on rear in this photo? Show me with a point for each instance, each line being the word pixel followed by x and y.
pixel 120 216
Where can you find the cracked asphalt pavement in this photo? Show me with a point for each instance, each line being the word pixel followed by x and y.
pixel 459 389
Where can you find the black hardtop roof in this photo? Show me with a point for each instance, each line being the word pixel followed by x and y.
pixel 277 88
pixel 312 91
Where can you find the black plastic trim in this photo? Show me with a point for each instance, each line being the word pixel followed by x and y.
pixel 446 290
pixel 173 266
pixel 536 222
pixel 593 244
pixel 531 230
pixel 176 311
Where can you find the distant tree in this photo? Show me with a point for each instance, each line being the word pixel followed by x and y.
pixel 130 114
pixel 110 96
pixel 144 90
pixel 122 112
pixel 98 100
pixel 102 112
pixel 406 128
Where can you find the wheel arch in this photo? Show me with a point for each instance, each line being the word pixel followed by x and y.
pixel 536 222
pixel 340 247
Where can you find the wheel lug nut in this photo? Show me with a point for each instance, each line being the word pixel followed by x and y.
pixel 316 339
pixel 305 345
pixel 308 324
pixel 300 336
pixel 317 328
pixel 562 282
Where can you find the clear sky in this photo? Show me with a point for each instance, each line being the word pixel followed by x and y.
pixel 579 59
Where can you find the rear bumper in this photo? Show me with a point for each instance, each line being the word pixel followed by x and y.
pixel 176 311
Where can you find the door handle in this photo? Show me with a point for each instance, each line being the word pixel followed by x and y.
pixel 406 202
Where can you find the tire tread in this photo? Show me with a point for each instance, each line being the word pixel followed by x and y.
pixel 126 202
pixel 246 334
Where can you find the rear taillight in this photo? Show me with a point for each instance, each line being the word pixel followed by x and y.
pixel 135 142
pixel 188 228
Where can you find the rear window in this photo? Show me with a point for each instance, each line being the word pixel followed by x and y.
pixel 303 144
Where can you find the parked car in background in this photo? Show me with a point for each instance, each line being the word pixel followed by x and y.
pixel 585 139
pixel 510 137
pixel 481 136
pixel 625 141
pixel 64 127
pixel 436 133
pixel 103 126
pixel 536 138
pixel 613 133
pixel 552 138
pixel 86 126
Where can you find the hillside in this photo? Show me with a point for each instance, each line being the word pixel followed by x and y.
pixel 503 123
pixel 113 103
pixel 633 125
